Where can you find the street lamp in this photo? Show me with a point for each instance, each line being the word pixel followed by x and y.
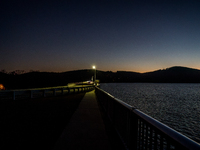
pixel 94 74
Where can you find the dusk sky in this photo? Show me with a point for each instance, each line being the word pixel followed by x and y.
pixel 116 35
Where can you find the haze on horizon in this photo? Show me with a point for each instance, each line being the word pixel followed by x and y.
pixel 139 36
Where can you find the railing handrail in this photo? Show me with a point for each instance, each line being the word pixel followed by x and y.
pixel 44 90
pixel 177 136
pixel 169 132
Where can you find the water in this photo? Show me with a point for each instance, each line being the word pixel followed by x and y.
pixel 176 105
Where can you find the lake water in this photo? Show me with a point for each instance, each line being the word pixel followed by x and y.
pixel 176 105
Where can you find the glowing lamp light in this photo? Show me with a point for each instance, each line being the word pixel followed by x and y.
pixel 2 87
pixel 94 80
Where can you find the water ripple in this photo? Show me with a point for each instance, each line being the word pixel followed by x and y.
pixel 176 105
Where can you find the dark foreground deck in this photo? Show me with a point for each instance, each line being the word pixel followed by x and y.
pixel 35 123
pixel 65 122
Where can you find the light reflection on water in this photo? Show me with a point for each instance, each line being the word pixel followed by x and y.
pixel 176 105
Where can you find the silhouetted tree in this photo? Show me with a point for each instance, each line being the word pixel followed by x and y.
pixel 3 71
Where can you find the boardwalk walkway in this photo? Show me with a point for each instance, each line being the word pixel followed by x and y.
pixel 86 129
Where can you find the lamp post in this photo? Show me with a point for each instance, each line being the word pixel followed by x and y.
pixel 94 75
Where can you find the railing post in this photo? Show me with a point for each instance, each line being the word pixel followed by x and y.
pixel 133 131
pixel 54 92
pixel 31 94
pixel 13 95
pixel 62 91
pixel 44 93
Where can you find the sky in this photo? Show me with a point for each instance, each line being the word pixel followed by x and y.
pixel 113 35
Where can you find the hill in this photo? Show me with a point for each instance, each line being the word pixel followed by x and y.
pixel 175 74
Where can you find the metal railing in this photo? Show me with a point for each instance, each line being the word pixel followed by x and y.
pixel 42 92
pixel 139 131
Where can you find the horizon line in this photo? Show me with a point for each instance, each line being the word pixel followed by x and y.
pixel 23 71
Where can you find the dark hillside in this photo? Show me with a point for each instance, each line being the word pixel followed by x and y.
pixel 44 79
pixel 49 79
pixel 173 75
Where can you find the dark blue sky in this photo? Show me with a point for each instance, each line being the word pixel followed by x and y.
pixel 63 35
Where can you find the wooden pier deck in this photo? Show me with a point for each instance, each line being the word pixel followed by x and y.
pixel 86 130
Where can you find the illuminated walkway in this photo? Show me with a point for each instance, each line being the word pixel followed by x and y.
pixel 86 130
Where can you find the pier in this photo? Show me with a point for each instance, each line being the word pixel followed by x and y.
pixel 73 118
pixel 86 129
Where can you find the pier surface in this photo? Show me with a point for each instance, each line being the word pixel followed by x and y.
pixel 86 129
